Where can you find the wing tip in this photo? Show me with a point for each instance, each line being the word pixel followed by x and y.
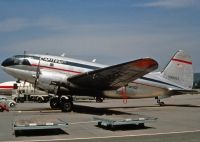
pixel 146 63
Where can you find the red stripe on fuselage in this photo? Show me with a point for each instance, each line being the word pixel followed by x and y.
pixel 6 87
pixel 76 72
pixel 181 61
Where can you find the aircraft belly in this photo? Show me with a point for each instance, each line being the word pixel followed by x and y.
pixel 135 91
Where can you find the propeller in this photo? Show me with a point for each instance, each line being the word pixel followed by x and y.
pixel 24 83
pixel 37 75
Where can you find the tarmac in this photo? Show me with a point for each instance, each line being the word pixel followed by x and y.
pixel 178 120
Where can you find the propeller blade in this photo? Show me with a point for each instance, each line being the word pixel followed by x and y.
pixel 37 75
pixel 24 83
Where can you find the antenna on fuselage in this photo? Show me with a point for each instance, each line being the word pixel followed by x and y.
pixel 24 53
pixel 62 55
pixel 94 60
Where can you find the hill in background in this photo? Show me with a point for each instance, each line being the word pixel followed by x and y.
pixel 196 80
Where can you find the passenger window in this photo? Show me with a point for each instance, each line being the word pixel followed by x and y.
pixel 51 64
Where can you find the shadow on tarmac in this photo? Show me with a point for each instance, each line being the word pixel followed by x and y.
pixel 40 132
pixel 156 106
pixel 182 105
pixel 125 127
pixel 96 111
pixel 110 111
pixel 105 110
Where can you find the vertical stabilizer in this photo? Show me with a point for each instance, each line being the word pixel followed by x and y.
pixel 180 70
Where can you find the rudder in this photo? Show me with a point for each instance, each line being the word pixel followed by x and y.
pixel 180 70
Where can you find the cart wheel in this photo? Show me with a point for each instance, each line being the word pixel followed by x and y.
pixel 141 125
pixel 99 100
pixel 99 124
pixel 111 127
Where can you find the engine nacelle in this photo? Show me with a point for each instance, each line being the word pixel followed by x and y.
pixel 47 77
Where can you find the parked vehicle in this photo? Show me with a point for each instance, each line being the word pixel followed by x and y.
pixel 3 107
pixel 8 102
pixel 28 93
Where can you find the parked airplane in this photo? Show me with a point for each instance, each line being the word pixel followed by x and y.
pixel 21 91
pixel 135 79
pixel 6 88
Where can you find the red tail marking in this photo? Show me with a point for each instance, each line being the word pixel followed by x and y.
pixel 182 61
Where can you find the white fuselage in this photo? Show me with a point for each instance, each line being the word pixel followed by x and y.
pixel 58 69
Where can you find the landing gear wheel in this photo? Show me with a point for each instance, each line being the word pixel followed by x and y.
pixel 16 100
pixel 39 100
pixel 159 102
pixel 54 103
pixel 66 105
pixel 99 100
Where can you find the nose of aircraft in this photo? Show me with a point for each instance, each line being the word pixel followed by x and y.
pixel 7 62
pixel 3 63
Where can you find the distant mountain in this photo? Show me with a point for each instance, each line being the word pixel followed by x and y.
pixel 196 80
pixel 196 76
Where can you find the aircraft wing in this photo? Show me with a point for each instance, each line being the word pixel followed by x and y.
pixel 115 76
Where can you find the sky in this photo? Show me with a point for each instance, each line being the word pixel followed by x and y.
pixel 110 31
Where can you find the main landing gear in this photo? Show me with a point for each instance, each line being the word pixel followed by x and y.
pixel 159 102
pixel 99 99
pixel 65 103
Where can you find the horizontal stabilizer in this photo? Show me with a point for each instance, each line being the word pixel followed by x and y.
pixel 181 92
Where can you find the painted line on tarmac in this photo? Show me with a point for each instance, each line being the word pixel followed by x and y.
pixel 42 111
pixel 82 122
pixel 108 137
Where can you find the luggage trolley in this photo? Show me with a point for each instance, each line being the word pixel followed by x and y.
pixel 113 121
pixel 37 124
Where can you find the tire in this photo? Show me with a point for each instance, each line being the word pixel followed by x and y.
pixel 12 104
pixel 66 106
pixel 39 100
pixel 99 124
pixel 54 103
pixel 162 104
pixel 15 99
pixel 21 100
pixel 141 125
pixel 99 100
pixel 1 110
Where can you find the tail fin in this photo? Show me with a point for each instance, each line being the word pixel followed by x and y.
pixel 180 70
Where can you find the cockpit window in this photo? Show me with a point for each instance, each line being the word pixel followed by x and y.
pixel 8 62
pixel 15 61
pixel 19 60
